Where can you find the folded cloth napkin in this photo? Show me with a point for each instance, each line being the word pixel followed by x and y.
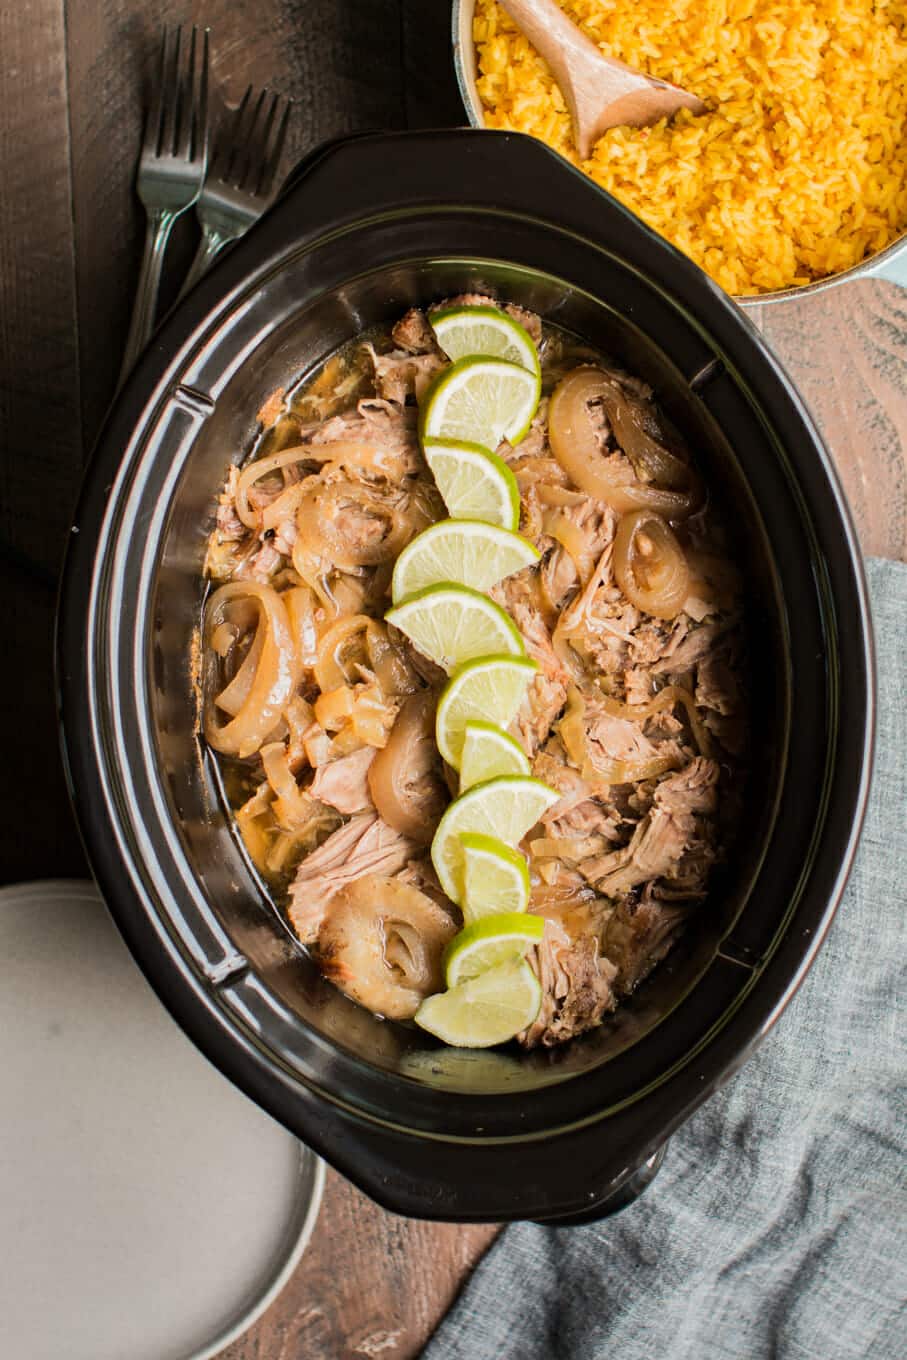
pixel 777 1225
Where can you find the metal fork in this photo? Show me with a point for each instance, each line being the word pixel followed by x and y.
pixel 172 166
pixel 241 180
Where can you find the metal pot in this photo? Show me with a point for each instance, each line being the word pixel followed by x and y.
pixel 368 227
pixel 889 264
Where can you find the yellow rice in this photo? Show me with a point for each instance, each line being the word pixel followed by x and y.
pixel 798 170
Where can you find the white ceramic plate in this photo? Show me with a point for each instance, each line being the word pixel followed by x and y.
pixel 147 1208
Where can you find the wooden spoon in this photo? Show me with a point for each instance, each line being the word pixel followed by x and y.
pixel 600 91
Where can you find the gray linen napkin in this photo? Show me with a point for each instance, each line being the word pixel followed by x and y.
pixel 777 1226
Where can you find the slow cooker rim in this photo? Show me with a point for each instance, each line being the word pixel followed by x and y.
pixel 187 324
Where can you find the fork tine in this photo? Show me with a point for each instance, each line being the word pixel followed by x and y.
pixel 232 136
pixel 258 147
pixel 154 121
pixel 275 151
pixel 186 146
pixel 247 151
pixel 170 97
pixel 200 148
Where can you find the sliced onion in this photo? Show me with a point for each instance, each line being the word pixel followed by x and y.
pixel 572 729
pixel 573 439
pixel 572 539
pixel 387 662
pixel 267 678
pixel 325 539
pixel 300 605
pixel 292 807
pixel 335 707
pixel 382 943
pixel 330 665
pixel 402 778
pixel 650 565
pixel 274 462
pixel 666 698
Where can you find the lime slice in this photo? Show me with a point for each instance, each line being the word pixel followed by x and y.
pixel 509 806
pixel 489 689
pixel 486 1010
pixel 464 551
pixel 487 753
pixel 482 400
pixel 453 624
pixel 495 878
pixel 487 943
pixel 461 331
pixel 475 483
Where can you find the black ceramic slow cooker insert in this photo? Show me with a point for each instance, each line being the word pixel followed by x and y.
pixel 367 228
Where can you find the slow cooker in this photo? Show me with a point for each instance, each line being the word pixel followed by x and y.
pixel 366 228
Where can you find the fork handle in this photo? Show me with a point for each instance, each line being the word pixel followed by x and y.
pixel 211 244
pixel 160 224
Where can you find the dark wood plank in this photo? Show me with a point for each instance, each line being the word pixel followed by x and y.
pixel 340 63
pixel 371 1285
pixel 430 87
pixel 40 440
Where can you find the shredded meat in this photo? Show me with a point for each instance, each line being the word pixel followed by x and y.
pixel 364 845
pixel 399 375
pixel 612 738
pixel 413 332
pixel 618 864
pixel 385 424
pixel 662 837
pixel 688 653
pixel 343 783
pixel 576 986
pixel 636 938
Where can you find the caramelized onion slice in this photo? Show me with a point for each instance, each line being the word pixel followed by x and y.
pixel 403 777
pixel 266 679
pixel 382 943
pixel 666 698
pixel 573 734
pixel 572 435
pixel 342 453
pixel 650 565
pixel 348 525
pixel 342 644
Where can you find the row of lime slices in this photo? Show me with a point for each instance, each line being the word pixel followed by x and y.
pixel 489 392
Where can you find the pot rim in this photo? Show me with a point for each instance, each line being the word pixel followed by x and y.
pixel 302 1106
pixel 889 264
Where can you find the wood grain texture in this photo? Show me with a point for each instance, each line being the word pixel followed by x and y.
pixel 372 1286
pixel 40 438
pixel 847 351
pixel 339 62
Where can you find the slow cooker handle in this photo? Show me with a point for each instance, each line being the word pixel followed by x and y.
pixel 628 1190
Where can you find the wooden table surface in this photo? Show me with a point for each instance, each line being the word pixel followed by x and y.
pixel 73 76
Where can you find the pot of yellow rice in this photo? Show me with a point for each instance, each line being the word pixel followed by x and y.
pixel 792 181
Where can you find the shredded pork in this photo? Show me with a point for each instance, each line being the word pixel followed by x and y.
pixel 619 864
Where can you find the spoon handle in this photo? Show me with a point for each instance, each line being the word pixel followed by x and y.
pixel 587 78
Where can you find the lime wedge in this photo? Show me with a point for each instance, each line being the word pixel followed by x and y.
pixel 486 1010
pixel 490 689
pixel 487 753
pixel 482 400
pixel 453 624
pixel 495 878
pixel 461 331
pixel 509 806
pixel 462 551
pixel 490 942
pixel 475 483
